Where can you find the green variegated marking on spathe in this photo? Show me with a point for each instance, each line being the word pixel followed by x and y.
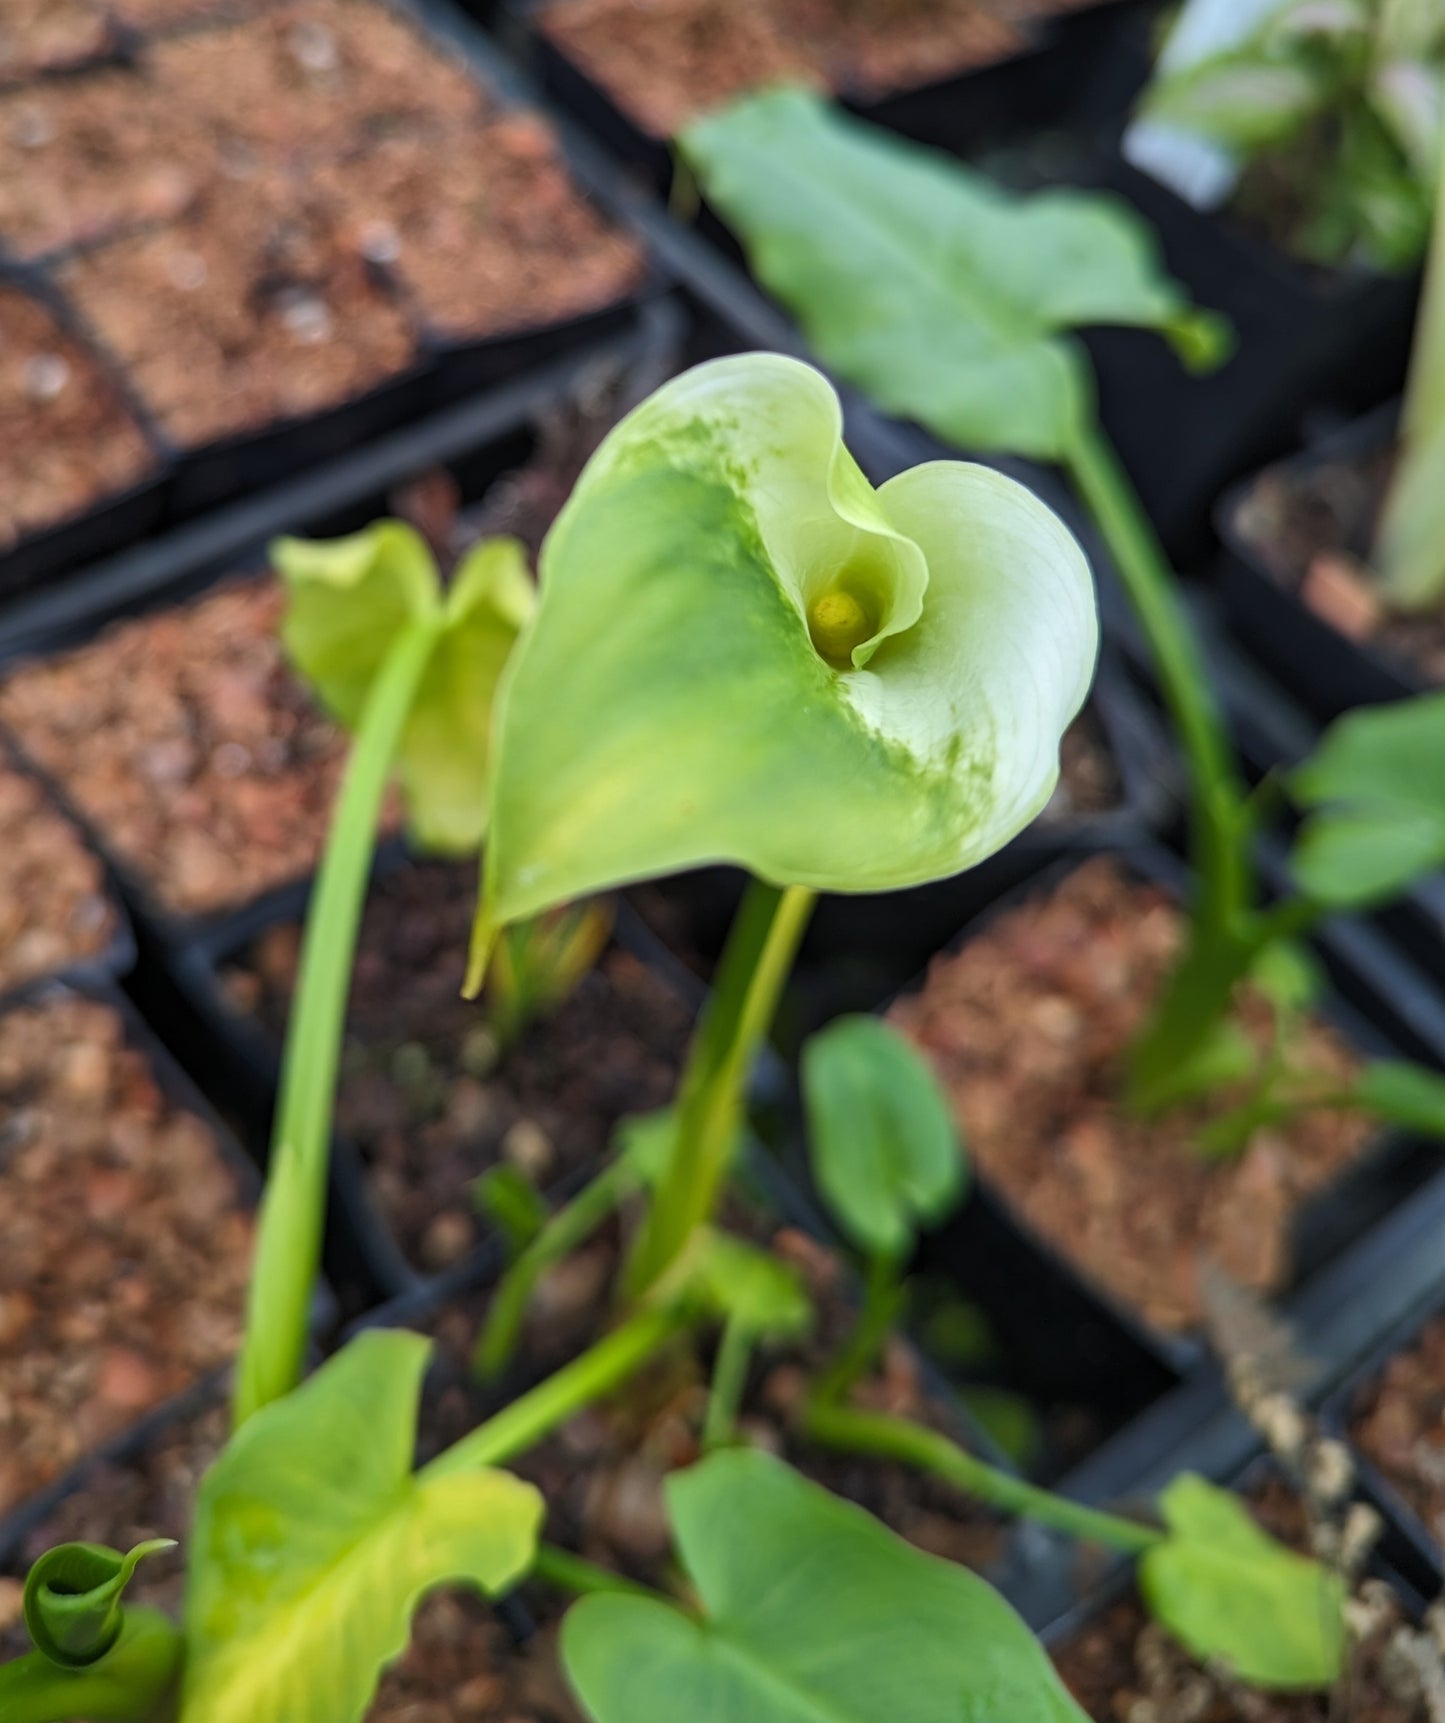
pixel 670 705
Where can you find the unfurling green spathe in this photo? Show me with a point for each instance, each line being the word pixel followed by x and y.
pixel 745 653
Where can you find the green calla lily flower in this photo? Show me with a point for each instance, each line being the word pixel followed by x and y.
pixel 745 653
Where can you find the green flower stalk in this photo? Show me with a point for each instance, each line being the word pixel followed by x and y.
pixel 745 653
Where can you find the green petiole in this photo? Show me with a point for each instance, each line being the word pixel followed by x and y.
pixel 288 1246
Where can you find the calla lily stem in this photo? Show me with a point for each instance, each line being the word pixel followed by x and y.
pixel 1219 797
pixel 750 980
pixel 885 1438
pixel 569 1228
pixel 288 1246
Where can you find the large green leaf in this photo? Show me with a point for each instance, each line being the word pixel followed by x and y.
pixel 349 600
pixel 886 1152
pixel 941 296
pixel 1377 787
pixel 812 1613
pixel 314 1541
pixel 1226 1590
pixel 744 653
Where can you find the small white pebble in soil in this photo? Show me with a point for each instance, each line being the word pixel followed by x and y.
pixel 305 316
pixel 186 270
pixel 379 242
pixel 32 128
pixel 447 1239
pixel 528 1147
pixel 480 1051
pixel 46 375
pixel 314 48
pixel 231 760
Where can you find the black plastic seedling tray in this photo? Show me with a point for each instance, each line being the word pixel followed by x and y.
pixel 1327 672
pixel 189 482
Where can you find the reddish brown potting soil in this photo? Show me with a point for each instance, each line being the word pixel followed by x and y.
pixel 667 61
pixel 45 35
pixel 428 1096
pixel 54 35
pixel 250 311
pixel 499 241
pixel 66 440
pixel 207 113
pixel 185 741
pixel 302 83
pixel 1028 1026
pixel 83 157
pixel 1399 1421
pixel 55 911
pixel 276 211
pixel 1122 1668
pixel 1313 528
pixel 124 1244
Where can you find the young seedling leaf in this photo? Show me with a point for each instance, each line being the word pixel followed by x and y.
pixel 74 1599
pixel 1403 1094
pixel 1228 1591
pixel 811 1610
pixel 314 1541
pixel 886 1152
pixel 941 296
pixel 753 1288
pixel 350 598
pixel 347 600
pixel 1376 788
pixel 745 653
pixel 443 761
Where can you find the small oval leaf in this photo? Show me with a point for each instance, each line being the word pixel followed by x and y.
pixel 887 1155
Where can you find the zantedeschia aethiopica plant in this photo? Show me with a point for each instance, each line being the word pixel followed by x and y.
pixel 745 653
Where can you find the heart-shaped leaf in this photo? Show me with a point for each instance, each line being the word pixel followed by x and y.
pixel 939 295
pixel 314 1541
pixel 1376 785
pixel 1227 1591
pixel 745 653
pixel 885 1149
pixel 812 1613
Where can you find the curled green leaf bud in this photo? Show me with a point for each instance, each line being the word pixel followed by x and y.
pixel 745 653
pixel 74 1599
